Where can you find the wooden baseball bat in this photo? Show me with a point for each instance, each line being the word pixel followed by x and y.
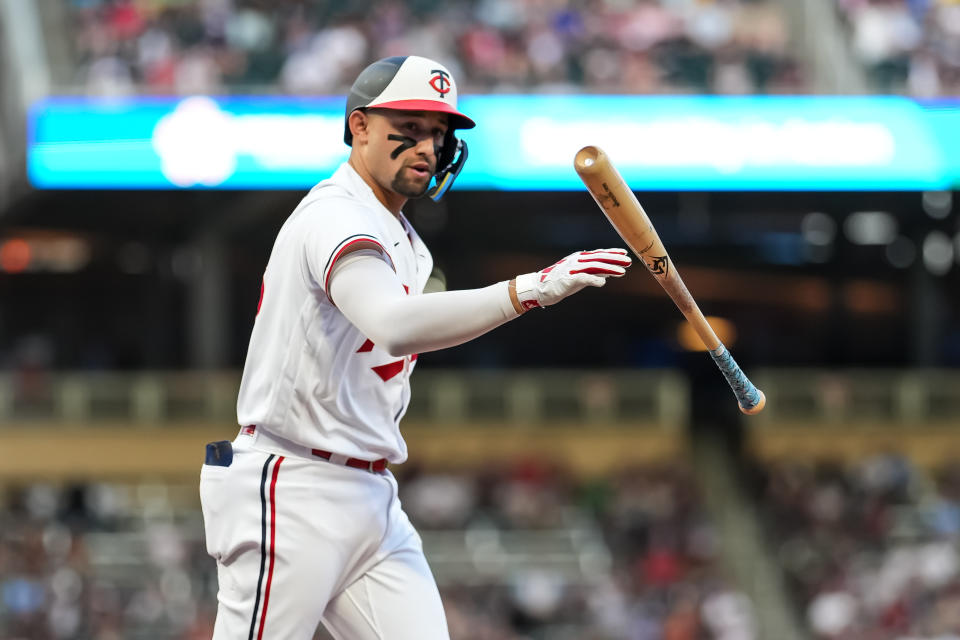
pixel 624 212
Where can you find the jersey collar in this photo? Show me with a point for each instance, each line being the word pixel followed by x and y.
pixel 348 177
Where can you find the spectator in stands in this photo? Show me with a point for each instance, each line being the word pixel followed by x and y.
pixel 907 45
pixel 650 46
pixel 871 549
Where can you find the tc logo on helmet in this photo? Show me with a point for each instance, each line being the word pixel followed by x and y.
pixel 440 81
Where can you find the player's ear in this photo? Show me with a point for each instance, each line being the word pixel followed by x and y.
pixel 359 123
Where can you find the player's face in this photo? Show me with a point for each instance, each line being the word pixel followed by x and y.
pixel 404 148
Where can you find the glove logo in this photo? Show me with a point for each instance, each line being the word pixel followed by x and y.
pixel 440 82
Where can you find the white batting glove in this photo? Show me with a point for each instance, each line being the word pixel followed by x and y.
pixel 566 277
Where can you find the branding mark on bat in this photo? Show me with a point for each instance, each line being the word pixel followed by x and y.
pixel 608 197
pixel 659 265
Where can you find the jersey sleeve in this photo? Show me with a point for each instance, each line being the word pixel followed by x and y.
pixel 372 298
pixel 331 228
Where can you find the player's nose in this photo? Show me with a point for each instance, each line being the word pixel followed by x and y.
pixel 427 150
pixel 426 144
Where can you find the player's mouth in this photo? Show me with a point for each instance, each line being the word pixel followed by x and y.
pixel 420 169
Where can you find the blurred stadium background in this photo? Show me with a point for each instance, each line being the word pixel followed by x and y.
pixel 571 479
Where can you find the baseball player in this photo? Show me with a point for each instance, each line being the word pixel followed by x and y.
pixel 300 510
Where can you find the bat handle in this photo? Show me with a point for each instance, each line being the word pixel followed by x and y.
pixel 750 399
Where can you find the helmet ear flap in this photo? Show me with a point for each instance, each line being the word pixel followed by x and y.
pixel 450 161
pixel 447 151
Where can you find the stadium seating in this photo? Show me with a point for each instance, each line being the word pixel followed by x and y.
pixel 630 554
pixel 652 46
pixel 870 548
pixel 906 46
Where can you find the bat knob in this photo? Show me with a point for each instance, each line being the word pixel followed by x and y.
pixel 757 408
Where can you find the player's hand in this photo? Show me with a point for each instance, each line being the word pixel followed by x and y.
pixel 573 273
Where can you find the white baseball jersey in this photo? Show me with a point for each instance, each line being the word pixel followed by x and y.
pixel 310 376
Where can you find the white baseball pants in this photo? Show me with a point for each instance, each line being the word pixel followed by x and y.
pixel 299 541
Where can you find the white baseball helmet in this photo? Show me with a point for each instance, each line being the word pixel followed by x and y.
pixel 414 83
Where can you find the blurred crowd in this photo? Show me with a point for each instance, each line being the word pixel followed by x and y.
pixel 907 46
pixel 101 561
pixel 314 47
pixel 870 550
pixel 664 582
pixel 642 46
pixel 115 561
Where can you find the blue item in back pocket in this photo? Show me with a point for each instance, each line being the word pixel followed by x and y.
pixel 219 454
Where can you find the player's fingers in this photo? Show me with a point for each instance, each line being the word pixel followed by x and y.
pixel 607 257
pixel 601 269
pixel 621 262
pixel 614 267
pixel 613 250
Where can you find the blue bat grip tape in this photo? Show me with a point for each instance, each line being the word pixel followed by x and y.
pixel 747 395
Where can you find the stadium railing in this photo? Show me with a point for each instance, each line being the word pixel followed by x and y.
pixel 439 396
pixel 593 420
pixel 844 416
